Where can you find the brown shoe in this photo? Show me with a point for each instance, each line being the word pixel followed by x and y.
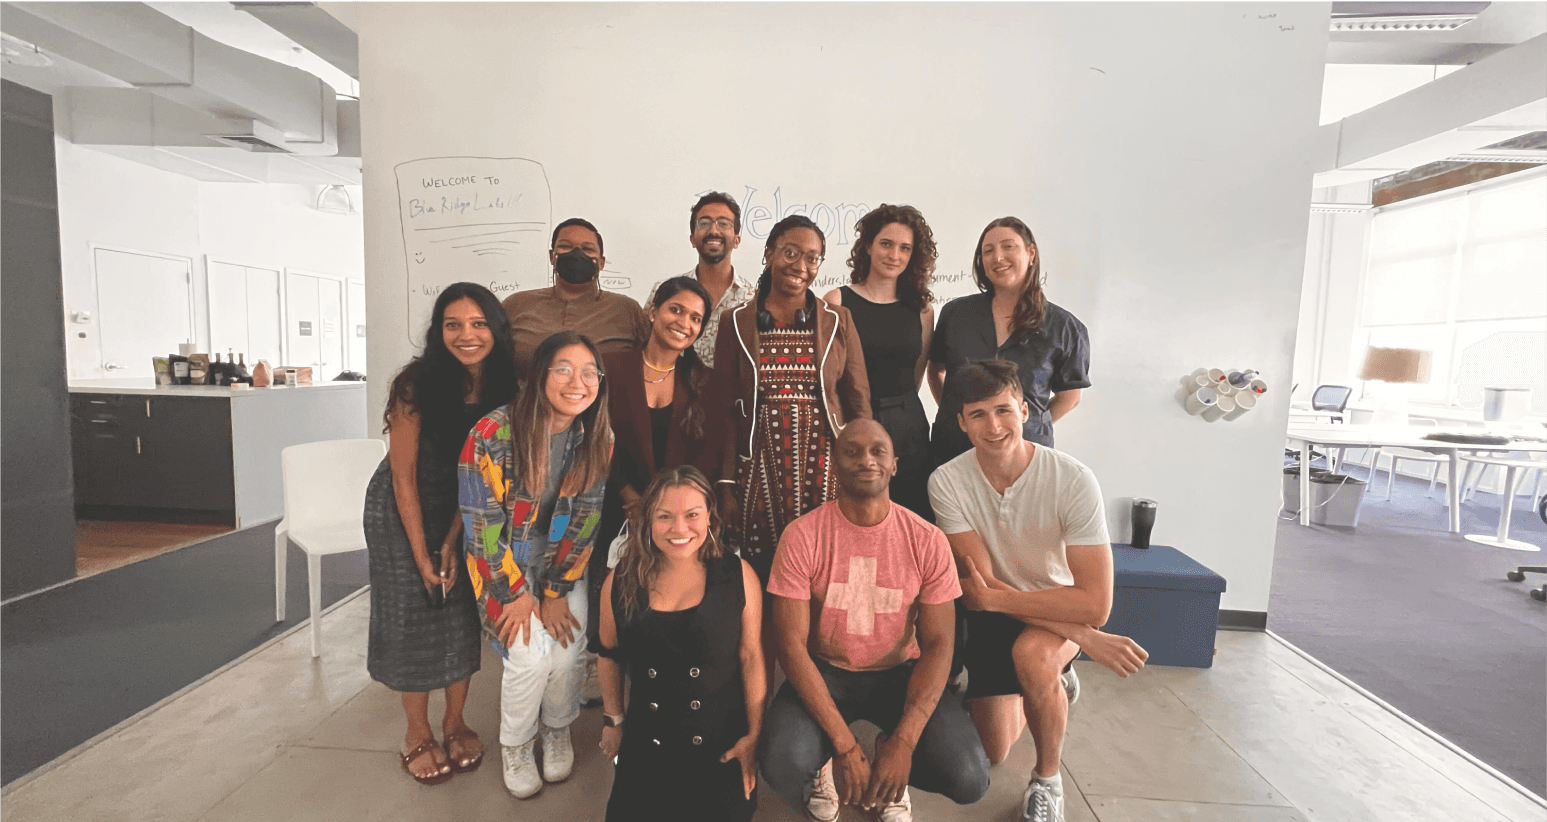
pixel 429 746
pixel 465 736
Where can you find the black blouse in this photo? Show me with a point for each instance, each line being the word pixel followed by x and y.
pixel 1054 358
pixel 892 335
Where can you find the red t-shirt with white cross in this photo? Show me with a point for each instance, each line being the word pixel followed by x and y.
pixel 865 585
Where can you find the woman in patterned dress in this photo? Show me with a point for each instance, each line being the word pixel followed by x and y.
pixel 411 529
pixel 794 374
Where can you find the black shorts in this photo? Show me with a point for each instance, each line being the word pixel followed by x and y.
pixel 990 667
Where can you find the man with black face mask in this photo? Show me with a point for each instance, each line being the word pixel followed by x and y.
pixel 575 301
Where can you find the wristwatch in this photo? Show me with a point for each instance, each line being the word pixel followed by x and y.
pixel 610 721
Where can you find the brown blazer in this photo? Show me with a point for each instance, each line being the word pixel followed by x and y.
pixel 633 451
pixel 845 390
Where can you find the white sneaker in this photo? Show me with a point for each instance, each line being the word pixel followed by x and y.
pixel 1041 804
pixel 558 754
pixel 521 777
pixel 822 795
pixel 591 686
pixel 1071 686
pixel 897 811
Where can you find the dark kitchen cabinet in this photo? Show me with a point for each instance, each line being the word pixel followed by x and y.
pixel 139 456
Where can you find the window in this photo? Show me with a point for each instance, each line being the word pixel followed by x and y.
pixel 1464 276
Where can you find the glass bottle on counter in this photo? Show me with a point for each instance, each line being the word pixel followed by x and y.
pixel 241 368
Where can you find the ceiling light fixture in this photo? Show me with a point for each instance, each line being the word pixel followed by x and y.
pixel 1403 22
pixel 334 199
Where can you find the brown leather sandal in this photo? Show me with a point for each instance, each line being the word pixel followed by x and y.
pixel 427 746
pixel 471 763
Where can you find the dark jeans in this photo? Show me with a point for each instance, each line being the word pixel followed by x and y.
pixel 948 760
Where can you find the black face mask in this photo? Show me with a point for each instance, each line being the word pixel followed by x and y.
pixel 574 267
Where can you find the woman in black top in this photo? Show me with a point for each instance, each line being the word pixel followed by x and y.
pixel 683 616
pixel 892 266
pixel 1010 320
pixel 413 533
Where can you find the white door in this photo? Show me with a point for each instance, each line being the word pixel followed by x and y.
pixel 264 329
pixel 244 316
pixel 301 322
pixel 228 315
pixel 144 309
pixel 330 310
pixel 354 331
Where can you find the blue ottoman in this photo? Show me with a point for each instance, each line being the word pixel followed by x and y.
pixel 1167 602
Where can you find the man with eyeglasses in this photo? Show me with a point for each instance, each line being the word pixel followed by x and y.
pixel 714 230
pixel 576 300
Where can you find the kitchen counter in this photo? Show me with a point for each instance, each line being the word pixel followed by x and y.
pixel 139 387
pixel 206 453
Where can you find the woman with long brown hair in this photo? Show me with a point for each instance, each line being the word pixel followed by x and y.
pixel 532 476
pixel 1011 319
pixel 683 616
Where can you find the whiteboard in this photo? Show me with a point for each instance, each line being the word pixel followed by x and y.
pixel 1160 152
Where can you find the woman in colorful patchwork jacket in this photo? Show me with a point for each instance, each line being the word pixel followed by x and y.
pixel 531 482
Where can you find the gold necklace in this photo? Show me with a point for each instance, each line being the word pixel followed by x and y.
pixel 658 379
pixel 657 367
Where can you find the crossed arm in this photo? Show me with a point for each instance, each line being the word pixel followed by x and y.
pixel 1074 612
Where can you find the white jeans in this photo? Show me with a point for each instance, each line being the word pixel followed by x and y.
pixel 541 678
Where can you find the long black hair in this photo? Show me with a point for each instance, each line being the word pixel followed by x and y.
pixel 692 375
pixel 434 384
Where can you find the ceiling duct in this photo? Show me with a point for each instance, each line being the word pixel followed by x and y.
pixel 275 107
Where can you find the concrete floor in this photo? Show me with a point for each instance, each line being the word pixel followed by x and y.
pixel 1264 736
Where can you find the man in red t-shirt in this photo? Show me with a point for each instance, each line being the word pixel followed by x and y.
pixel 863 613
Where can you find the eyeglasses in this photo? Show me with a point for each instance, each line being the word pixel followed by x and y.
pixel 589 376
pixel 722 223
pixel 791 253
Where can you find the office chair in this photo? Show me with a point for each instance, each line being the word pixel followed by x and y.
pixel 1332 398
pixel 1519 574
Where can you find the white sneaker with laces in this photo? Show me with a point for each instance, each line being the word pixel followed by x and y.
pixel 558 754
pixel 1041 803
pixel 521 777
pixel 822 795
pixel 897 811
pixel 1071 686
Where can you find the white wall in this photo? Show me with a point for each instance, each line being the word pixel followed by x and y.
pixel 1326 352
pixel 109 201
pixel 1160 152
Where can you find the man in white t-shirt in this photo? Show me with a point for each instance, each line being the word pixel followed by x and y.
pixel 1028 530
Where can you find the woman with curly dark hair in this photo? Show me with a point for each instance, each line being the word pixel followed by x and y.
pixel 1010 320
pixel 424 628
pixel 891 268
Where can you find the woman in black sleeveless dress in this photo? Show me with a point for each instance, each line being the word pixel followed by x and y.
pixel 892 266
pixel 411 528
pixel 683 616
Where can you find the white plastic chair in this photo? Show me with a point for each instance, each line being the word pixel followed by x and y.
pixel 1398 454
pixel 324 511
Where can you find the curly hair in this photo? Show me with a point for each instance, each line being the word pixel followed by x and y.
pixel 693 375
pixel 1031 308
pixel 434 383
pixel 642 559
pixel 784 226
pixel 913 284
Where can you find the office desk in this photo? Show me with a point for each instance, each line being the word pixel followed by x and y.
pixel 1369 436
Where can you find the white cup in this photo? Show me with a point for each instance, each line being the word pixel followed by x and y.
pixel 1223 406
pixel 1217 376
pixel 1240 380
pixel 1203 380
pixel 1244 401
pixel 1225 389
pixel 1259 387
pixel 184 349
pixel 1202 400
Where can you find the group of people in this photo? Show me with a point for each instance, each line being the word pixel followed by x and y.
pixel 735 475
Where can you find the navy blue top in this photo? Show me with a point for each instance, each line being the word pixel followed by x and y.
pixel 1054 358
